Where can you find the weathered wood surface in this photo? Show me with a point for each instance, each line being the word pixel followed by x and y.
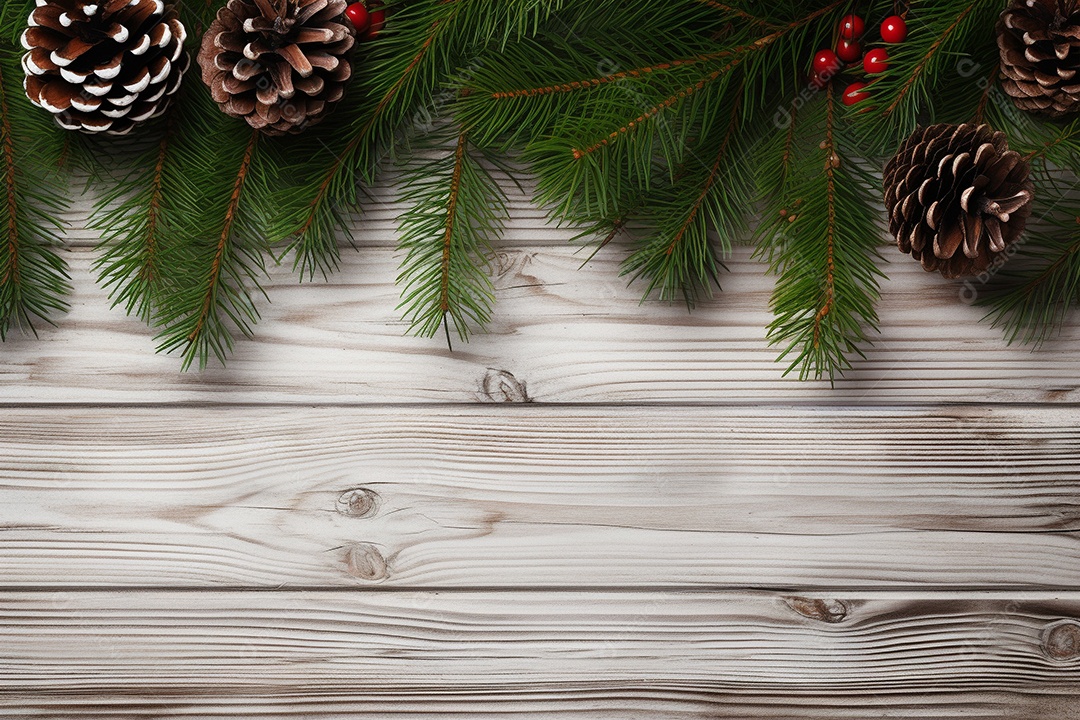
pixel 566 335
pixel 534 496
pixel 341 524
pixel 560 654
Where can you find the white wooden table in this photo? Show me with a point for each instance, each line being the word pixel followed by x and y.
pixel 599 510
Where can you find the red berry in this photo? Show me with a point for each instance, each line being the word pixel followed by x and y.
pixel 378 19
pixel 855 93
pixel 876 61
pixel 358 16
pixel 894 30
pixel 826 63
pixel 852 27
pixel 848 50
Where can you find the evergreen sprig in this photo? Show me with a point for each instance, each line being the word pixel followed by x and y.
pixel 403 82
pixel 821 233
pixel 216 254
pixel 131 217
pixel 458 209
pixel 183 225
pixel 33 275
pixel 696 218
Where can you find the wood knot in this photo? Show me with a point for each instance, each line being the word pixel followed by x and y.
pixel 358 503
pixel 1061 640
pixel 828 611
pixel 364 561
pixel 501 386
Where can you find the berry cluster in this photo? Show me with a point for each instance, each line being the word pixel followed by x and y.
pixel 367 17
pixel 849 50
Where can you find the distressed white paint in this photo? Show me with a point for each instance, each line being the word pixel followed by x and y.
pixel 534 496
pixel 342 523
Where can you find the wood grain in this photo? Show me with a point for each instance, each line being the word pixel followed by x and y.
pixel 533 496
pixel 564 335
pixel 559 654
pixel 581 701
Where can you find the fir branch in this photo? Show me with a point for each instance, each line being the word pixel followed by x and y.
pixel 1049 146
pixel 33 277
pixel 679 259
pixel 525 89
pixel 213 284
pixel 364 134
pixel 654 111
pixel 129 218
pixel 773 177
pixel 312 219
pixel 590 162
pixel 457 210
pixel 738 54
pixel 216 244
pixel 11 269
pixel 430 50
pixel 603 233
pixel 831 163
pixel 451 221
pixel 820 236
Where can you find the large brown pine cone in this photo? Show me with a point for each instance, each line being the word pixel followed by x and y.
pixel 278 64
pixel 1039 42
pixel 957 197
pixel 103 66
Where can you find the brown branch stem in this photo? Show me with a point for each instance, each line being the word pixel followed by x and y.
pixel 830 241
pixel 11 271
pixel 451 217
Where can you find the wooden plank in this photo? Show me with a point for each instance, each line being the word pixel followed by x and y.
pixel 560 334
pixel 555 654
pixel 537 496
pixel 582 701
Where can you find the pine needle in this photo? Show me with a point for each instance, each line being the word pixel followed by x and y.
pixel 33 276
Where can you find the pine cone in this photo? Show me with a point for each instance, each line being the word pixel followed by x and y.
pixel 103 65
pixel 1039 42
pixel 278 64
pixel 957 197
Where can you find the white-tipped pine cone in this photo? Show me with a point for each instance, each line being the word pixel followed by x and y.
pixel 104 66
